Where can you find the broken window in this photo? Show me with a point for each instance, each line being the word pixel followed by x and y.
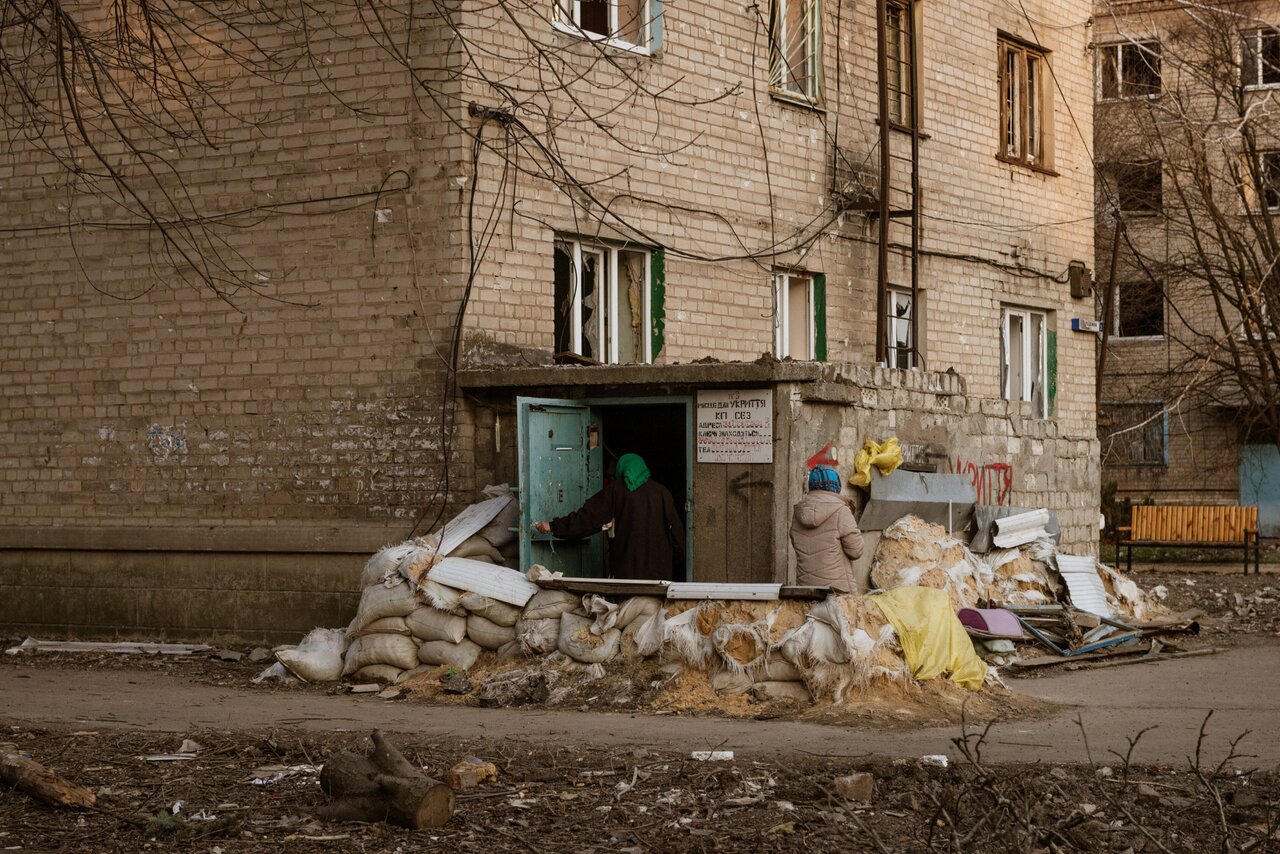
pixel 1134 434
pixel 1024 125
pixel 1139 309
pixel 602 302
pixel 1260 65
pixel 1138 187
pixel 1130 70
pixel 900 47
pixel 1264 177
pixel 627 22
pixel 795 61
pixel 1024 359
pixel 902 345
pixel 800 316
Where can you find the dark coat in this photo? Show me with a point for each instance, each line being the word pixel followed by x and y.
pixel 648 536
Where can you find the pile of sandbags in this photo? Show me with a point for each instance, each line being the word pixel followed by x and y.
pixel 913 552
pixel 407 621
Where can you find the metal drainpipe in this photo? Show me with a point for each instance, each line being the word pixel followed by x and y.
pixel 882 266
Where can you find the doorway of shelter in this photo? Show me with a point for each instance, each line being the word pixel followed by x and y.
pixel 569 450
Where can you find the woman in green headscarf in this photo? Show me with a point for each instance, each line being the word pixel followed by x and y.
pixel 648 537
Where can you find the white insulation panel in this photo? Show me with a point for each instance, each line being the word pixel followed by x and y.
pixel 702 590
pixel 476 576
pixel 1019 530
pixel 1081 575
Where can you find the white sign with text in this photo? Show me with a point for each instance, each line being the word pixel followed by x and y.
pixel 735 426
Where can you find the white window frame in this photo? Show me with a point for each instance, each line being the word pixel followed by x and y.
pixel 892 322
pixel 1251 48
pixel 1142 44
pixel 608 253
pixel 1026 393
pixel 568 18
pixel 782 316
pixel 778 77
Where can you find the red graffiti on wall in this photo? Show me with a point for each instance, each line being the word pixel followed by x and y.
pixel 993 481
pixel 823 457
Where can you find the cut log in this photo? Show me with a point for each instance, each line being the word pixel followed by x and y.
pixel 384 786
pixel 41 783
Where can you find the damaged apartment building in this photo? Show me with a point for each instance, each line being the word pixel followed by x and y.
pixel 1187 199
pixel 508 242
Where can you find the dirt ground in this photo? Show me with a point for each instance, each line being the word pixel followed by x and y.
pixel 564 797
pixel 597 780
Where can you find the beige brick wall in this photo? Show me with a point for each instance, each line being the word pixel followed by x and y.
pixel 1203 439
pixel 973 204
pixel 134 396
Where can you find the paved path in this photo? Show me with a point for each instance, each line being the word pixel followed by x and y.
pixel 1242 686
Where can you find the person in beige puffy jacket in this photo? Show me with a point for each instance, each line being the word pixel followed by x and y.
pixel 825 535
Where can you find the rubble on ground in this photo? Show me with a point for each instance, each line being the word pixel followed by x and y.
pixel 429 616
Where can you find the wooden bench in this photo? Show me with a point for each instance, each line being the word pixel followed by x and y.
pixel 1198 526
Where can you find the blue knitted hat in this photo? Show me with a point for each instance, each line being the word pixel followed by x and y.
pixel 824 477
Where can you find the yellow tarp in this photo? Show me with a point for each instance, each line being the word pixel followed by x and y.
pixel 933 640
pixel 886 457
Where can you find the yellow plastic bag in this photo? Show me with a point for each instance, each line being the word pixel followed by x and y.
pixel 886 457
pixel 933 640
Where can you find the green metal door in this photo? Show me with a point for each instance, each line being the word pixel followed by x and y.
pixel 560 467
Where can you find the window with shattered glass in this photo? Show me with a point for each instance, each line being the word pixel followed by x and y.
pixel 627 22
pixel 601 302
pixel 1024 359
pixel 902 347
pixel 1134 433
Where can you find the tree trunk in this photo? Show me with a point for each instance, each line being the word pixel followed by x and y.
pixel 41 783
pixel 384 786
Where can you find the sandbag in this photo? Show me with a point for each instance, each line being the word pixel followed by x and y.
pixel 577 641
pixel 396 650
pixel 318 658
pixel 416 563
pixel 378 673
pixel 777 669
pixel 509 651
pixel 826 645
pixel 487 633
pixel 649 633
pixel 491 609
pixel 730 682
pixel 420 670
pixel 462 655
pixel 441 597
pixel 477 547
pixel 498 536
pixel 637 608
pixel 538 637
pixel 384 563
pixel 385 626
pixel 782 691
pixel 739 646
pixel 549 604
pixel 432 624
pixel 378 601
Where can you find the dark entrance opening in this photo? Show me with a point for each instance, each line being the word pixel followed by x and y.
pixel 658 432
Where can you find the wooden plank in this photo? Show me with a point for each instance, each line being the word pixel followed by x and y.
pixel 609 586
pixel 751 488
pixel 804 591
pixel 711 523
